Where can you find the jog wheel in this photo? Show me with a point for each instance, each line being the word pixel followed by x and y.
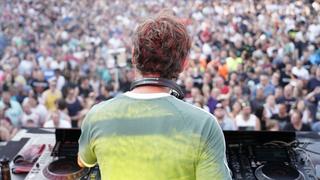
pixel 277 171
pixel 64 169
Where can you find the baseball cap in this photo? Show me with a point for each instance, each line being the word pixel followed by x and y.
pixel 245 104
pixel 218 105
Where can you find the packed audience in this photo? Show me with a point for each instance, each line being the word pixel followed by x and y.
pixel 253 64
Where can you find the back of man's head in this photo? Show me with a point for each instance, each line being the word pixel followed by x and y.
pixel 160 46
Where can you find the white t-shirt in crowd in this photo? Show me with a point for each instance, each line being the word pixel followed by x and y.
pixel 62 124
pixel 25 67
pixel 42 111
pixel 300 72
pixel 33 117
pixel 248 124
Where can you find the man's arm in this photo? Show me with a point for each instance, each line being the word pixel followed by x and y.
pixel 86 155
pixel 212 163
pixel 80 162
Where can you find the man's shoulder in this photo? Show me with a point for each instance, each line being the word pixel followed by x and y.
pixel 197 117
pixel 178 107
pixel 113 104
pixel 189 109
pixel 103 104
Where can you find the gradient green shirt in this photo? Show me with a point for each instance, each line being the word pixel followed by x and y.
pixel 152 136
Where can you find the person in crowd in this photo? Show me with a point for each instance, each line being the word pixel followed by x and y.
pixel 220 84
pixel 235 109
pixel 60 79
pixel 282 117
pixel 55 121
pixel 195 95
pixel 287 97
pixel 12 108
pixel 74 105
pixel 188 85
pixel 224 99
pixel 105 93
pixel 237 94
pixel 199 102
pixel 300 71
pixel 278 92
pixel 63 110
pixel 258 101
pixel 85 88
pixel 272 125
pixel 212 101
pixel 7 130
pixel 270 107
pixel 265 85
pixel 225 122
pixel 29 117
pixel 233 61
pixel 38 82
pixel 37 107
pixel 313 100
pixel 305 112
pixel 296 123
pixel 51 95
pixel 314 81
pixel 246 120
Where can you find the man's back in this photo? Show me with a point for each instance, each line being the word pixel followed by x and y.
pixel 153 136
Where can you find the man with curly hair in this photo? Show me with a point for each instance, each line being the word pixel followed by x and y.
pixel 146 133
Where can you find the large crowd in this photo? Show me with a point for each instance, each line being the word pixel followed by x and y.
pixel 253 64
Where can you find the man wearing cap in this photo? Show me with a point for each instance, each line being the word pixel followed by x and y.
pixel 224 121
pixel 300 71
pixel 246 120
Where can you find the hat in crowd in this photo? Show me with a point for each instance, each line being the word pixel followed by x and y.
pixel 245 104
pixel 52 80
pixel 218 105
pixel 20 80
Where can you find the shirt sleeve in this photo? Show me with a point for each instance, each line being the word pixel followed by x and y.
pixel 212 163
pixel 86 153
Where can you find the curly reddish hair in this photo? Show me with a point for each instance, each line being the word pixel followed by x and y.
pixel 160 46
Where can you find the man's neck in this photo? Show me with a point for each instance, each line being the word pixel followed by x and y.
pixel 147 88
pixel 150 89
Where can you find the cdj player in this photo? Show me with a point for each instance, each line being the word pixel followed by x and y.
pixel 60 162
pixel 267 156
pixel 251 155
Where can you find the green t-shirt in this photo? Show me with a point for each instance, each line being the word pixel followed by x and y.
pixel 233 63
pixel 152 136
